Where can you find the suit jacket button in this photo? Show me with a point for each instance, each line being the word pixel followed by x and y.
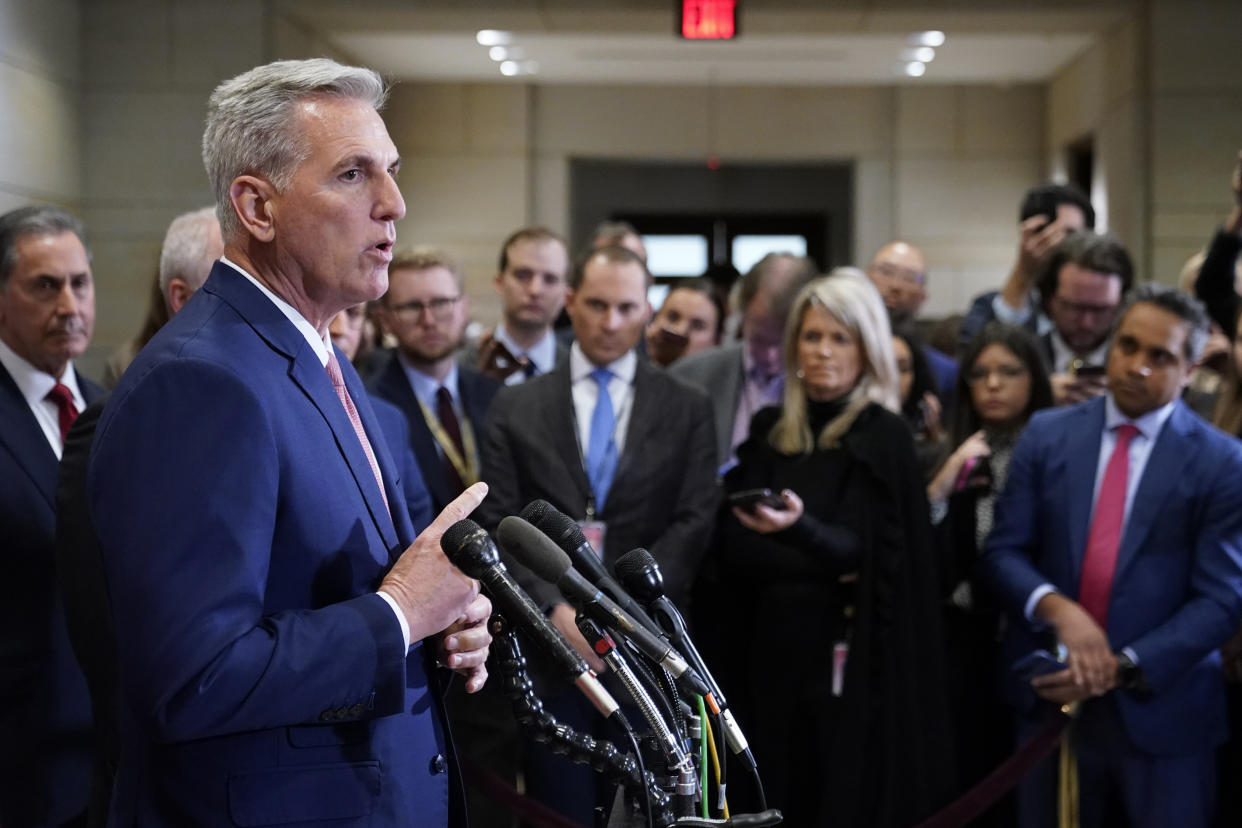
pixel 438 764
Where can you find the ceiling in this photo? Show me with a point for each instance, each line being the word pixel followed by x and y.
pixel 781 42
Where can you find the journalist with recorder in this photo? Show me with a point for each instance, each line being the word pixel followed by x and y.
pixel 277 622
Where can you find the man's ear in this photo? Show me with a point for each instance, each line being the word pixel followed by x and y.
pixel 251 198
pixel 177 295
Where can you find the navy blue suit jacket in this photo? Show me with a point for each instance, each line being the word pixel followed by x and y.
pixel 1177 589
pixel 397 436
pixel 45 712
pixel 476 390
pixel 243 535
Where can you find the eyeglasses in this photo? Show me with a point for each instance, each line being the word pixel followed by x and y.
pixel 901 274
pixel 1006 373
pixel 1079 309
pixel 441 309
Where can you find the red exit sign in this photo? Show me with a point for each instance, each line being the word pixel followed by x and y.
pixel 708 19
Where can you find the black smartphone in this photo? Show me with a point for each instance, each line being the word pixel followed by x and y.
pixel 1090 371
pixel 749 498
pixel 1037 663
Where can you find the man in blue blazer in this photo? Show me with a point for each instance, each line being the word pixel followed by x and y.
pixel 47 314
pixel 1120 532
pixel 274 623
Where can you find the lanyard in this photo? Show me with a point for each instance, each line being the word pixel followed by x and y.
pixel 467 467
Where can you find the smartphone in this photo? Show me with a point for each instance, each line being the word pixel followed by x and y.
pixel 664 345
pixel 1037 663
pixel 1090 371
pixel 748 499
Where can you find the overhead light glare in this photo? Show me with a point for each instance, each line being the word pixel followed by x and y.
pixel 499 53
pixel 923 54
pixel 530 67
pixel 933 38
pixel 493 37
pixel 915 69
pixel 509 68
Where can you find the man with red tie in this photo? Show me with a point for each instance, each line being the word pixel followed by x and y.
pixel 47 314
pixel 1119 532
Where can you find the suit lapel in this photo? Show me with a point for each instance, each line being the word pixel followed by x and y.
pixel 25 439
pixel 308 374
pixel 644 415
pixel 394 386
pixel 558 415
pixel 1175 448
pixel 1083 453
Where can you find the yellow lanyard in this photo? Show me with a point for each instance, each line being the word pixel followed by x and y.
pixel 468 467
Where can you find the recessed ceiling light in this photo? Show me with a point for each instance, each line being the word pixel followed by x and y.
pixel 509 68
pixel 932 38
pixel 923 54
pixel 493 37
pixel 915 69
pixel 499 53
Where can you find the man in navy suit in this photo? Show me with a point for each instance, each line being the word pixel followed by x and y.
pixel 445 402
pixel 47 314
pixel 274 615
pixel 1119 532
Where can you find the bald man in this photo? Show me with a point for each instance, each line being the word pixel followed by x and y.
pixel 899 272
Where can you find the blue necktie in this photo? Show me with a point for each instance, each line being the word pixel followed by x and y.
pixel 602 449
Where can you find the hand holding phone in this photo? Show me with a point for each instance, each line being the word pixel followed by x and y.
pixel 1037 663
pixel 748 499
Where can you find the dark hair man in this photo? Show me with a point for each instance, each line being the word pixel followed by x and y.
pixel 1120 533
pixel 47 314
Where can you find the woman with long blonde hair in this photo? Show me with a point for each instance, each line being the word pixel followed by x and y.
pixel 837 571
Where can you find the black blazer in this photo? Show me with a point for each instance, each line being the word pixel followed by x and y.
pixel 476 390
pixel 45 715
pixel 664 494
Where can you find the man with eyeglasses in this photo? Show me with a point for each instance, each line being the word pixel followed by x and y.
pixel 1081 288
pixel 445 402
pixel 899 272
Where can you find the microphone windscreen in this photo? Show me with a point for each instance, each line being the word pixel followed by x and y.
pixel 634 564
pixel 560 527
pixel 536 510
pixel 468 546
pixel 533 548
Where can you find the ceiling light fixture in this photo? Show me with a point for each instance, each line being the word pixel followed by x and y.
pixel 931 38
pixel 915 69
pixel 509 68
pixel 493 37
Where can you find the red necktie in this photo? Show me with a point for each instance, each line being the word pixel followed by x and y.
pixel 448 421
pixel 1104 540
pixel 66 410
pixel 338 382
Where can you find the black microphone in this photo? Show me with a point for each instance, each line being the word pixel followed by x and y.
pixel 567 534
pixel 471 550
pixel 537 551
pixel 640 572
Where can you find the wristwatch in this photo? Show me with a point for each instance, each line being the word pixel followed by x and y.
pixel 1130 677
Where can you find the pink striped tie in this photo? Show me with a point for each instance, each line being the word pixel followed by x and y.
pixel 338 382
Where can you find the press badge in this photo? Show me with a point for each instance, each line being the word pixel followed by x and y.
pixel 840 653
pixel 595 530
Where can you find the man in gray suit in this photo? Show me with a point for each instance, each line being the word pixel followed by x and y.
pixel 744 377
pixel 612 441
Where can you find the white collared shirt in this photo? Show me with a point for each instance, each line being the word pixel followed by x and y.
pixel 586 393
pixel 35 386
pixel 542 355
pixel 319 344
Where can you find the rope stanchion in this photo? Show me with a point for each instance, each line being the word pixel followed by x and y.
pixel 1002 779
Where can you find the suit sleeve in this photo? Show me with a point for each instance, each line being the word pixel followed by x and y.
pixel 680 547
pixel 186 488
pixel 1213 611
pixel 1007 566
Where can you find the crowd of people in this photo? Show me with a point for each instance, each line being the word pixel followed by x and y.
pixel 228 599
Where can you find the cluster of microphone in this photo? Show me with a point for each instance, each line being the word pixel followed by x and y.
pixel 634 628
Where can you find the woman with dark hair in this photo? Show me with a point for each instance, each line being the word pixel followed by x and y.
pixel 837 576
pixel 920 407
pixel 1003 381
